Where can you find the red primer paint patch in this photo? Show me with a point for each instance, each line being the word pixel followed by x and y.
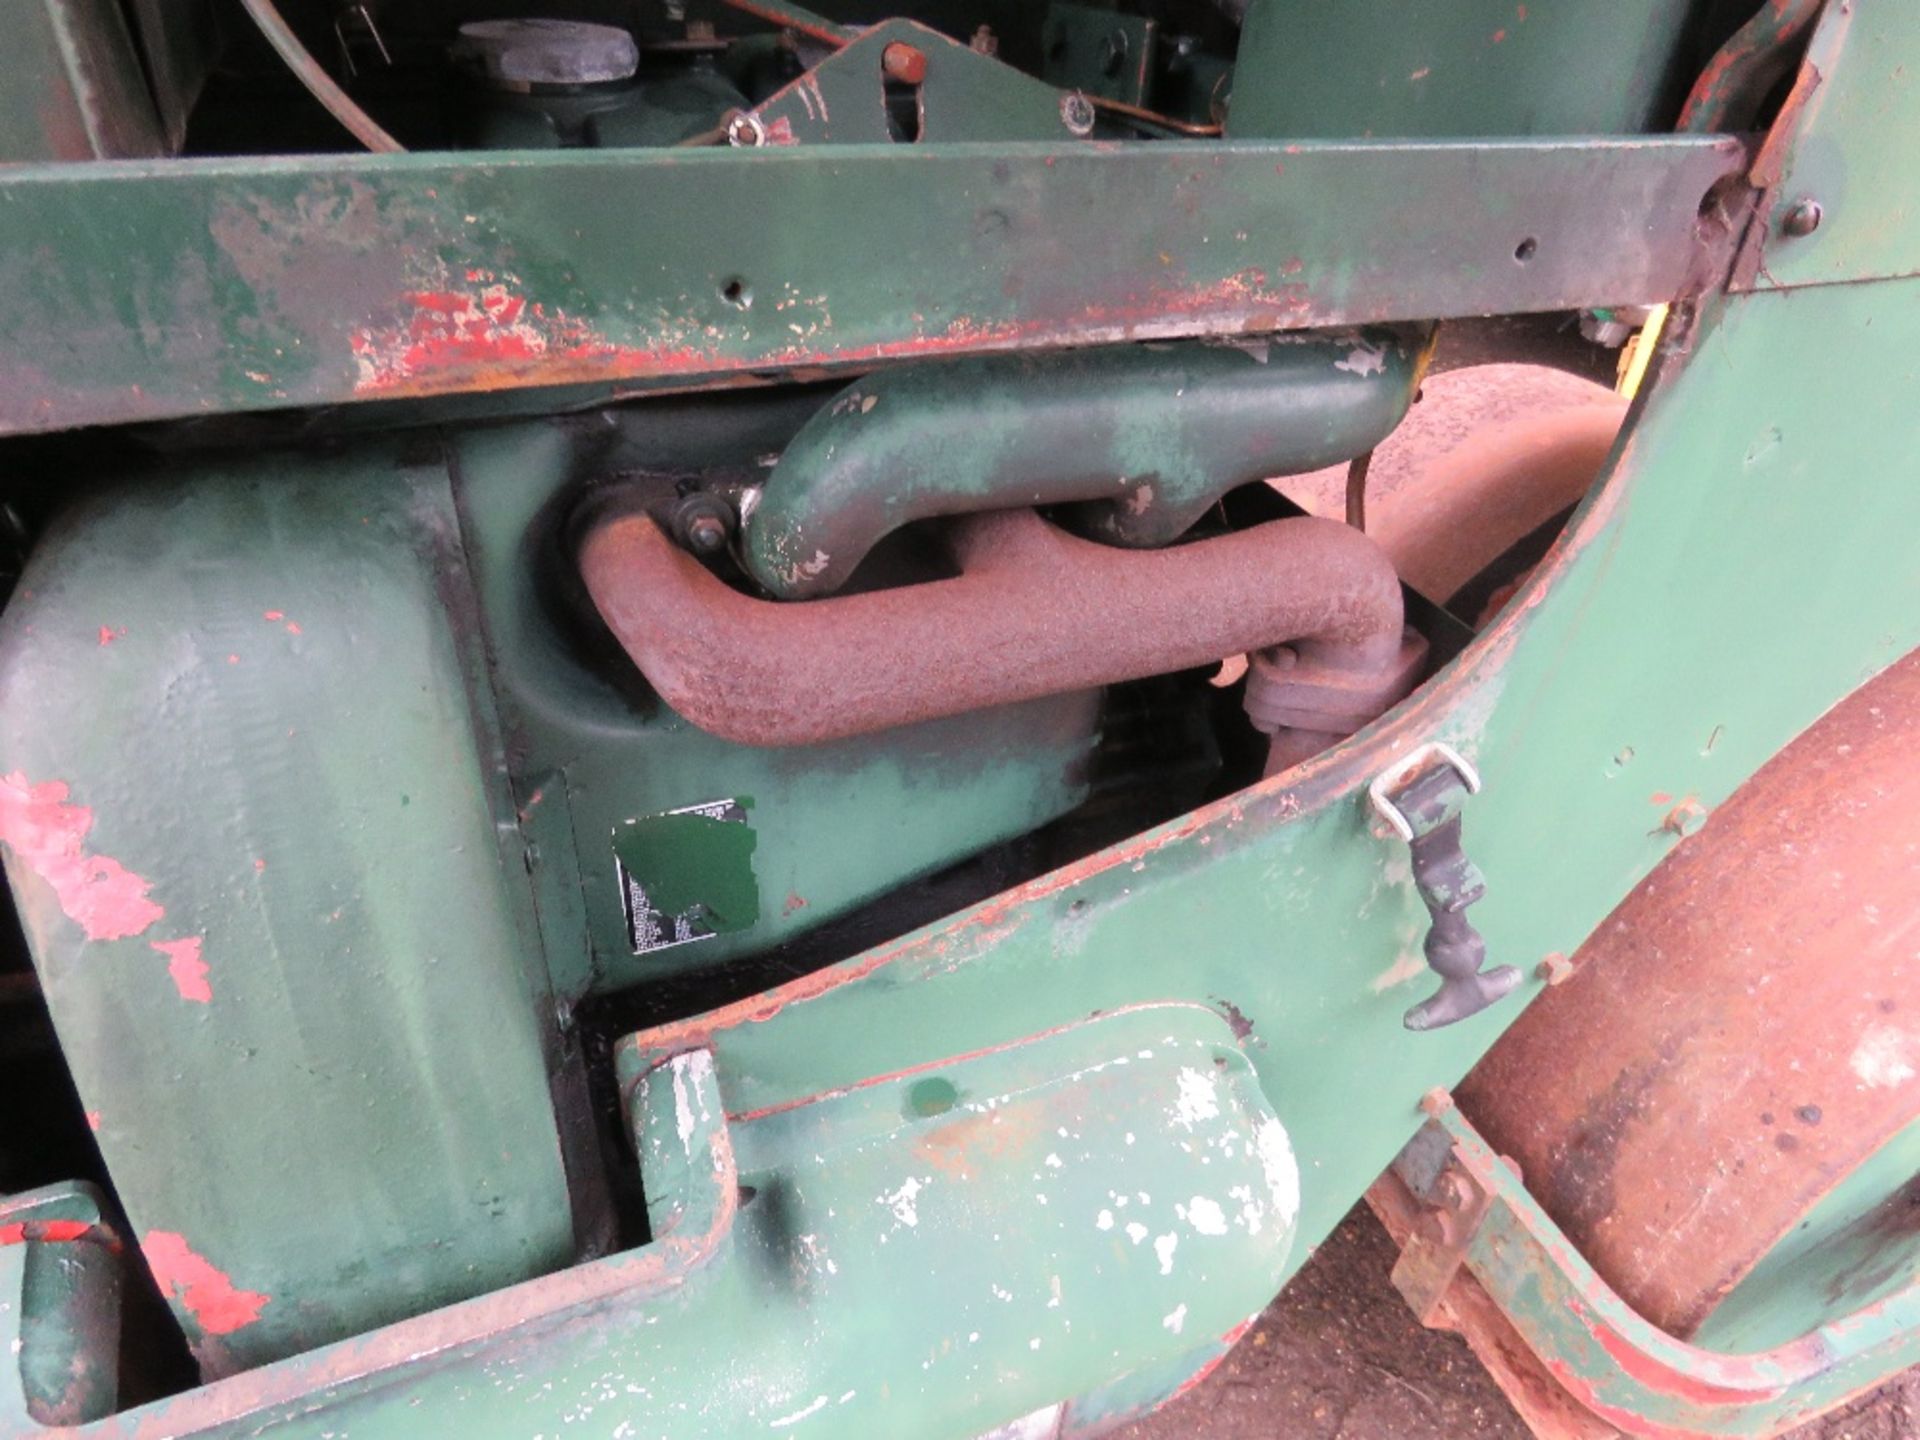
pixel 108 634
pixel 1660 797
pixel 99 894
pixel 93 1121
pixel 274 615
pixel 293 627
pixel 204 1292
pixel 52 1232
pixel 1498 36
pixel 186 969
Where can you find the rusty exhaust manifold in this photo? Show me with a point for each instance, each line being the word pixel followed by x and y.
pixel 1034 611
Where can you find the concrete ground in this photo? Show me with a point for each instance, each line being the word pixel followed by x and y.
pixel 1340 1357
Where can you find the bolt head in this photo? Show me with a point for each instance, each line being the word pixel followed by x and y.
pixel 1076 113
pixel 903 62
pixel 707 534
pixel 745 131
pixel 1802 218
pixel 1556 969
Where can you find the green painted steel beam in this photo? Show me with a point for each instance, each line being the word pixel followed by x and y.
pixel 139 291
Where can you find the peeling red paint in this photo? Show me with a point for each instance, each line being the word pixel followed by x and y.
pixel 108 634
pixel 48 834
pixel 186 969
pixel 1498 36
pixel 488 328
pixel 217 1306
pixel 795 902
pixel 274 615
pixel 53 1232
pixel 93 1121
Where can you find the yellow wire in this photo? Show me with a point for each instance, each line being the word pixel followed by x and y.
pixel 1633 364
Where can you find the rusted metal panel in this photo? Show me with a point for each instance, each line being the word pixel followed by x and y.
pixel 334 279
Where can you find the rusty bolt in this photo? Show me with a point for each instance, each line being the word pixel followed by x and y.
pixel 1556 969
pixel 1803 218
pixel 984 41
pixel 1453 1193
pixel 1685 818
pixel 1436 1102
pixel 1076 113
pixel 703 523
pixel 904 63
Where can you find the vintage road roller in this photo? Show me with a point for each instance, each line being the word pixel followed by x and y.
pixel 676 759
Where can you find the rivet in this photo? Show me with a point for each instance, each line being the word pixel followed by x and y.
pixel 1803 218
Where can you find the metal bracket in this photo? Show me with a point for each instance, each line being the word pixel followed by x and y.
pixel 1551 1307
pixel 1421 798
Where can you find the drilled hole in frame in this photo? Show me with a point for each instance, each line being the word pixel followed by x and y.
pixel 737 293
pixel 1526 249
pixel 932 1096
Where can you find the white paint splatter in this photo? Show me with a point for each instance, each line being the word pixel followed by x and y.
pixel 1205 1216
pixel 1281 1170
pixel 1136 1232
pixel 1884 1058
pixel 1164 1246
pixel 1199 1099
pixel 1177 1321
pixel 1364 359
pixel 901 1201
pixel 1104 1221
pixel 818 1405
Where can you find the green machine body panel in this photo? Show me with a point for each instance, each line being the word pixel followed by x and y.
pixel 255 947
pixel 1475 68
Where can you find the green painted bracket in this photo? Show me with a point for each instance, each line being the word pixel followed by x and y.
pixel 959 94
pixel 59 1308
pixel 679 1131
pixel 1624 1368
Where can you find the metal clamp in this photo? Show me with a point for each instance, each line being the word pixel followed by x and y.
pixel 1421 797
pixel 1390 778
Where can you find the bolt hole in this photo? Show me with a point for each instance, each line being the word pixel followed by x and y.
pixel 737 293
pixel 932 1096
pixel 1526 249
pixel 1077 909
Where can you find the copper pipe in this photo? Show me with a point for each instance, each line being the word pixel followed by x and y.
pixel 1035 611
pixel 1357 490
pixel 1154 117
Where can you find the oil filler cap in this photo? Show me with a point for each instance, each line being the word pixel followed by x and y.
pixel 516 54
